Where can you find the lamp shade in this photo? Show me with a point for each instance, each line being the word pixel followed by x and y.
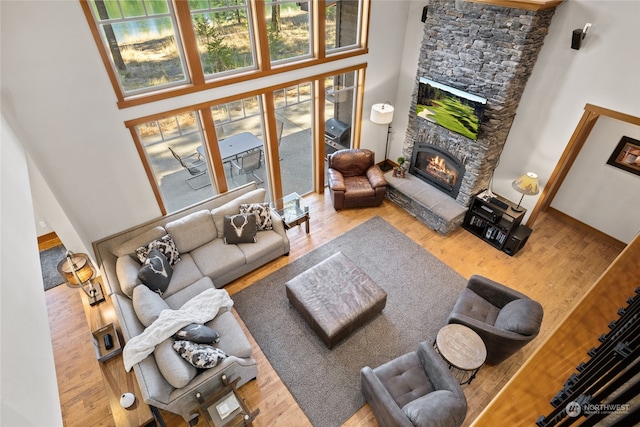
pixel 527 184
pixel 382 114
pixel 76 269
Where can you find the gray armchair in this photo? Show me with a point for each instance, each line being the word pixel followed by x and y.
pixel 505 319
pixel 416 389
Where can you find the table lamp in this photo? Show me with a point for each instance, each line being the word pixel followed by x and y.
pixel 527 184
pixel 77 272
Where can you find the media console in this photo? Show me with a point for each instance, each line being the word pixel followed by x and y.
pixel 493 219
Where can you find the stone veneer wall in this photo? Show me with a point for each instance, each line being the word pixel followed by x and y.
pixel 486 50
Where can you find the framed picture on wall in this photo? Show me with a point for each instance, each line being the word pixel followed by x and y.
pixel 626 156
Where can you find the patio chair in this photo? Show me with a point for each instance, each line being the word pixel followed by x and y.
pixel 248 164
pixel 195 165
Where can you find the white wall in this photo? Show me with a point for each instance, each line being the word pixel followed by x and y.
pixel 604 72
pixel 27 369
pixel 609 198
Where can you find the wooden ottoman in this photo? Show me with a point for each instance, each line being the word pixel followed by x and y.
pixel 335 297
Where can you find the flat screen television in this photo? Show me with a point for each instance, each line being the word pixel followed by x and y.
pixel 450 108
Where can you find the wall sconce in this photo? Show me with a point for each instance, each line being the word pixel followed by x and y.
pixel 382 114
pixel 578 35
pixel 527 185
pixel 77 272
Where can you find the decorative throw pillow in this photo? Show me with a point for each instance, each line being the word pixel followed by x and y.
pixel 202 356
pixel 240 228
pixel 156 271
pixel 199 334
pixel 262 212
pixel 165 244
pixel 147 304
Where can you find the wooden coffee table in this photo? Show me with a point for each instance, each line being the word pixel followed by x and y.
pixel 462 349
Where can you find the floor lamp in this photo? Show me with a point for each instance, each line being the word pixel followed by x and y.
pixel 382 114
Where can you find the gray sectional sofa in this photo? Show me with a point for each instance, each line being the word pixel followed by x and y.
pixel 167 380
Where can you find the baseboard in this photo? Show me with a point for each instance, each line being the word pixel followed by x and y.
pixel 589 229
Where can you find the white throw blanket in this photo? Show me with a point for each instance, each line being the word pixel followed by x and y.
pixel 199 309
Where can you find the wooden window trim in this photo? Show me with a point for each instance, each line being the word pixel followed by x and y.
pixel 263 63
pixel 268 111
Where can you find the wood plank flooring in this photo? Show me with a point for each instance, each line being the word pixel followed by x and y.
pixel 558 263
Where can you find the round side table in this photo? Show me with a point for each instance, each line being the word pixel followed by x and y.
pixel 462 349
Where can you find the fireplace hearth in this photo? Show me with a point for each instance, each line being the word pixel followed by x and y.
pixel 437 167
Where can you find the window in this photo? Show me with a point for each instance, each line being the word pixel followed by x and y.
pixel 223 34
pixel 173 148
pixel 239 130
pixel 141 40
pixel 270 136
pixel 289 30
pixel 157 49
pixel 293 107
pixel 342 24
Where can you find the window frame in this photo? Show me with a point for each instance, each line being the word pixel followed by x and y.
pixel 203 110
pixel 264 67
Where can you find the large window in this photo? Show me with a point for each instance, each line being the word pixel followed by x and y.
pixel 141 41
pixel 289 29
pixel 156 49
pixel 223 34
pixel 275 137
pixel 173 148
pixel 342 25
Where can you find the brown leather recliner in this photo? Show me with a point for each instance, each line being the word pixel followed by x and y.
pixel 355 180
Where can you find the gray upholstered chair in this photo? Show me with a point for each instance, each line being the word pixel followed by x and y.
pixel 505 319
pixel 415 389
pixel 354 179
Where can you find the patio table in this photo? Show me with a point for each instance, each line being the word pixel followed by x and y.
pixel 235 145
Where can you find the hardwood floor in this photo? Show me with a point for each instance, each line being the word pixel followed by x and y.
pixel 558 263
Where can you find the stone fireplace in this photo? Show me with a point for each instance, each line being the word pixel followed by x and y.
pixel 486 50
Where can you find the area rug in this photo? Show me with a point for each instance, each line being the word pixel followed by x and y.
pixel 49 259
pixel 421 291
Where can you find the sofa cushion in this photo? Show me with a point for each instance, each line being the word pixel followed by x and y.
pixel 199 334
pixel 216 259
pixel 127 269
pixel 438 408
pixel 179 298
pixel 185 273
pixel 192 230
pixel 522 316
pixel 240 228
pixel 473 305
pixel 270 242
pixel 175 369
pixel 164 244
pixel 129 247
pixel 233 207
pixel 262 213
pixel 156 272
pixel 233 340
pixel 147 304
pixel 202 356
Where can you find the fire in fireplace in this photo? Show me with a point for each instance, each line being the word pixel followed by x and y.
pixel 437 167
